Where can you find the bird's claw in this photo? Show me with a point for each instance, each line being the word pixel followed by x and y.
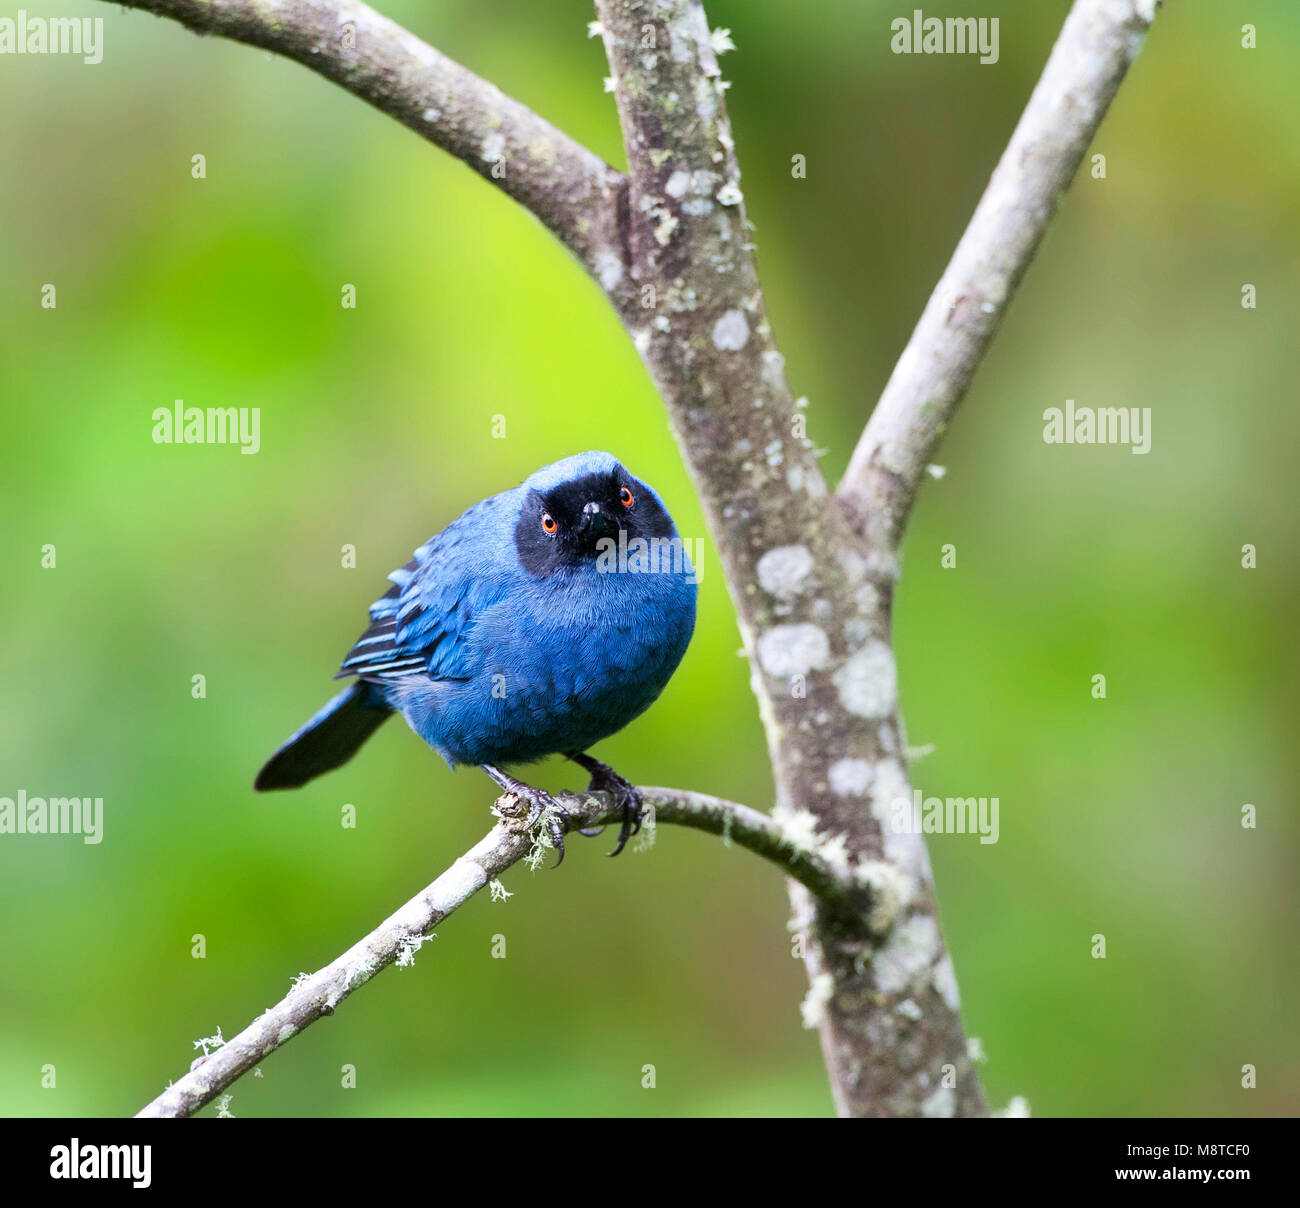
pixel 626 796
pixel 541 807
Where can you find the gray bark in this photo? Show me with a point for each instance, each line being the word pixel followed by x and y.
pixel 811 599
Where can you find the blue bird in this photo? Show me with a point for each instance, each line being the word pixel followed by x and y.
pixel 539 622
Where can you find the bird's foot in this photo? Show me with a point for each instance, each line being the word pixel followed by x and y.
pixel 626 796
pixel 529 809
pixel 543 814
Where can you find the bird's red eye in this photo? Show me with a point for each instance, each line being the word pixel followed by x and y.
pixel 548 522
pixel 626 498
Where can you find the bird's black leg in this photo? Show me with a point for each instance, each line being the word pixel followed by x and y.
pixel 605 780
pixel 538 802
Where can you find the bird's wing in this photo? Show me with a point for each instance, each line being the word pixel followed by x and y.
pixel 416 626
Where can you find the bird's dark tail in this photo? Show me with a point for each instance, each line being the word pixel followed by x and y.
pixel 328 740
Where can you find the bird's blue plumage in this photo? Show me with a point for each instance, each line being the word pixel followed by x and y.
pixel 503 641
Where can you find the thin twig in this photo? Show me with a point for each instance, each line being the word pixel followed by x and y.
pixel 1099 41
pixel 398 936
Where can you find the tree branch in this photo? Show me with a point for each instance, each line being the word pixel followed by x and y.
pixel 815 625
pixel 574 193
pixel 1097 44
pixel 398 936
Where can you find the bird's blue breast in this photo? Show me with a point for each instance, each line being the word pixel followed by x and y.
pixel 555 666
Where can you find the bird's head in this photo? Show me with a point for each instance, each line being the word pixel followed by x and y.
pixel 572 511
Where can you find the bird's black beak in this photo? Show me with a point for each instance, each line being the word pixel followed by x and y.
pixel 596 522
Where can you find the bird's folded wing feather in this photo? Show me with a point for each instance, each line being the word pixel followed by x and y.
pixel 416 627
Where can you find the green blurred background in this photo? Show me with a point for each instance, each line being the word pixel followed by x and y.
pixel 1119 816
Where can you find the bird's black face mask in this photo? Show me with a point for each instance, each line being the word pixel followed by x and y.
pixel 566 526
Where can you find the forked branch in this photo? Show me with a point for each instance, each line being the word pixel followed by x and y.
pixel 670 247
